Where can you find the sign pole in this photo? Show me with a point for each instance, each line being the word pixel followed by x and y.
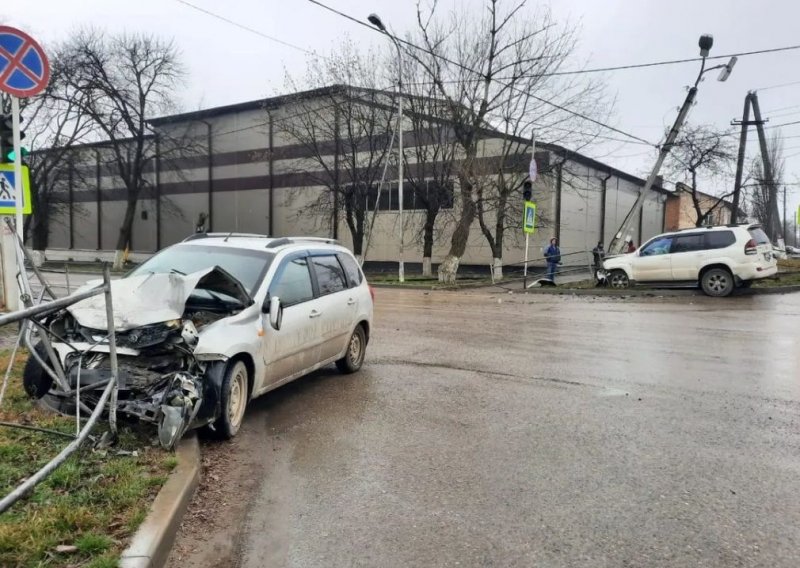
pixel 17 166
pixel 525 268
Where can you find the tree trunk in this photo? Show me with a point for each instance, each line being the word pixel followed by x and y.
pixel 497 269
pixel 458 243
pixel 125 231
pixel 427 242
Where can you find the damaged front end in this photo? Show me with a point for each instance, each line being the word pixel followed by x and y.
pixel 158 319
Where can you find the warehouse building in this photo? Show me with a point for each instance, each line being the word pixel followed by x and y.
pixel 248 171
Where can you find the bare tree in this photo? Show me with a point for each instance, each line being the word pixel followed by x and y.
pixel 345 127
pixel 55 126
pixel 703 153
pixel 496 71
pixel 120 81
pixel 430 160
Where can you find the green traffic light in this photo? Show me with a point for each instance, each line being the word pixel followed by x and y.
pixel 11 156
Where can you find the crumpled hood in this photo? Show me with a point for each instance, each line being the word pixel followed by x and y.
pixel 153 298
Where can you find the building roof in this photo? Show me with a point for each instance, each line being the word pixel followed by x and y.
pixel 281 100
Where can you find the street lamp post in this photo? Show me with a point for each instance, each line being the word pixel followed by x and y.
pixel 375 20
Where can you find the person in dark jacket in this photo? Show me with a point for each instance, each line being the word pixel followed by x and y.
pixel 553 257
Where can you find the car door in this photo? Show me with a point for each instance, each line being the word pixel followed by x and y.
pixel 686 256
pixel 336 304
pixel 295 346
pixel 652 261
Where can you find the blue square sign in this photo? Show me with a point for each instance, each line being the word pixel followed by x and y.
pixel 8 205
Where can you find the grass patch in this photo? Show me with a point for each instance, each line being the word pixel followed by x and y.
pixel 782 279
pixel 92 504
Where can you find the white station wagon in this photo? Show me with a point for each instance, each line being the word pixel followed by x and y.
pixel 207 324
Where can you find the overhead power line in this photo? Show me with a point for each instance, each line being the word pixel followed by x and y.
pixel 466 68
pixel 245 27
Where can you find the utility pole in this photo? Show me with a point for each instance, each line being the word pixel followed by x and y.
pixel 772 208
pixel 737 184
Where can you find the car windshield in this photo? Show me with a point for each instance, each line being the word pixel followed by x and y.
pixel 247 266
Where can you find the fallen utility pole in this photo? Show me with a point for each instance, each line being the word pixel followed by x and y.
pixel 737 184
pixel 617 243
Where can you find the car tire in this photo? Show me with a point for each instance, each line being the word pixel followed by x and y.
pixel 35 380
pixel 356 350
pixel 717 282
pixel 233 400
pixel 619 279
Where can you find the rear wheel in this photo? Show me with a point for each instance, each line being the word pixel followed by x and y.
pixel 717 282
pixel 234 400
pixel 619 279
pixel 356 349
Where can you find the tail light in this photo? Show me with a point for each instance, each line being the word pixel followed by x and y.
pixel 751 247
pixel 372 293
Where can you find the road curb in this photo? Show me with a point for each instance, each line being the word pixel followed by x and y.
pixel 152 543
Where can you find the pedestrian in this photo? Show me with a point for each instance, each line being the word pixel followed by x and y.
pixel 631 247
pixel 599 254
pixel 553 257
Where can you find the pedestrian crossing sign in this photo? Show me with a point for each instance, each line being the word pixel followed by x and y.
pixel 8 205
pixel 529 218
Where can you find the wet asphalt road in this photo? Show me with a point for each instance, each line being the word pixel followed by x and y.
pixel 508 430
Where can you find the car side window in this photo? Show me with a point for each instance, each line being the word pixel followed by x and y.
pixel 351 269
pixel 293 283
pixel 719 239
pixel 688 243
pixel 656 247
pixel 330 274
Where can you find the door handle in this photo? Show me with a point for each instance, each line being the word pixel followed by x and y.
pixel 314 314
pixel 351 302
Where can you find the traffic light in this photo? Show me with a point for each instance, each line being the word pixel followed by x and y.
pixel 527 192
pixel 6 137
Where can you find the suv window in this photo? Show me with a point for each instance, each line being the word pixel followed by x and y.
pixel 351 269
pixel 687 243
pixel 659 245
pixel 720 239
pixel 293 283
pixel 330 274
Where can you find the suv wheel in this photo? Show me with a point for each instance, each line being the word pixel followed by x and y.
pixel 356 349
pixel 619 279
pixel 717 282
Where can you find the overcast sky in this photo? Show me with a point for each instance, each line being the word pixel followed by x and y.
pixel 227 65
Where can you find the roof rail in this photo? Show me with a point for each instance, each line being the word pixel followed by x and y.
pixel 196 236
pixel 296 240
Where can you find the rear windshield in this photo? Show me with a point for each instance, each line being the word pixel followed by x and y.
pixel 759 236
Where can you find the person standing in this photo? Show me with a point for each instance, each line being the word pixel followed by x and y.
pixel 553 257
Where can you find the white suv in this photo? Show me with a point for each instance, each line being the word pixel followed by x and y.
pixel 718 259
pixel 207 324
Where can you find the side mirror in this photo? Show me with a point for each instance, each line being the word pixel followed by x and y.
pixel 275 313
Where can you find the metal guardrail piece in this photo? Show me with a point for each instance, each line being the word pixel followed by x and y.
pixel 30 320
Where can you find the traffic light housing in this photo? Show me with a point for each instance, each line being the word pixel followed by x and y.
pixel 6 137
pixel 527 191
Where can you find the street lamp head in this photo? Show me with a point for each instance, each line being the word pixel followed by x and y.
pixel 726 71
pixel 375 20
pixel 705 43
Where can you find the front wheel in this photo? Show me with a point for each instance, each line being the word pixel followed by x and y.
pixel 233 399
pixel 717 282
pixel 619 279
pixel 356 349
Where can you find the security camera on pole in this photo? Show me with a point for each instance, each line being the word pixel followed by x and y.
pixel 24 72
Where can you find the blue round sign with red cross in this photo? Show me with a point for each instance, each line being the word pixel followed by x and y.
pixel 24 69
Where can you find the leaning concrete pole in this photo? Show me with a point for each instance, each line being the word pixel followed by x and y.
pixel 737 184
pixel 772 206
